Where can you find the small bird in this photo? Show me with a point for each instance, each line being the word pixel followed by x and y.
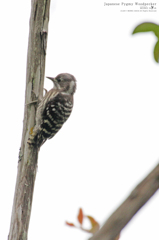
pixel 54 109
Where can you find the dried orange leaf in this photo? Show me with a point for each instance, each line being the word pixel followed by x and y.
pixel 85 230
pixel 70 224
pixel 80 216
pixel 94 223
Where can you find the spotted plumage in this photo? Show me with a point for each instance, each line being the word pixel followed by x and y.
pixel 54 109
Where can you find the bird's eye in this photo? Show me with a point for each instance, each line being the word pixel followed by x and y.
pixel 59 79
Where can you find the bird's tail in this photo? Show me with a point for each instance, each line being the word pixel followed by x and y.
pixel 32 140
pixel 36 139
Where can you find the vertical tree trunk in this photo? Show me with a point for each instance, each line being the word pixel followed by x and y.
pixel 28 156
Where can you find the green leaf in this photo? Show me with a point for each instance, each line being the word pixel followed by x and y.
pixel 156 52
pixel 147 27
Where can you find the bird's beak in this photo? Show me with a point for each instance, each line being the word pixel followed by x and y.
pixel 51 78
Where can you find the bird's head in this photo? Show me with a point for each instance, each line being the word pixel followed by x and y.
pixel 65 82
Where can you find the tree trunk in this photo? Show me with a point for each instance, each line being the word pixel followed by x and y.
pixel 28 156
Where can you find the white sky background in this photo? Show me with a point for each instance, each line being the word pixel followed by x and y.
pixel 111 141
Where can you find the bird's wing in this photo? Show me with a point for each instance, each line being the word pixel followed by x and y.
pixel 41 107
pixel 48 96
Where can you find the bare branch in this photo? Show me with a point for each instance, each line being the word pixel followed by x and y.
pixel 138 197
pixel 34 90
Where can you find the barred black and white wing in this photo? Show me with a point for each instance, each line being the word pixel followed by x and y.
pixel 54 116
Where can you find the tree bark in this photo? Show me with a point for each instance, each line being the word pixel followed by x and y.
pixel 138 197
pixel 28 156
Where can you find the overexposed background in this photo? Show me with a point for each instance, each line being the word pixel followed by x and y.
pixel 111 141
